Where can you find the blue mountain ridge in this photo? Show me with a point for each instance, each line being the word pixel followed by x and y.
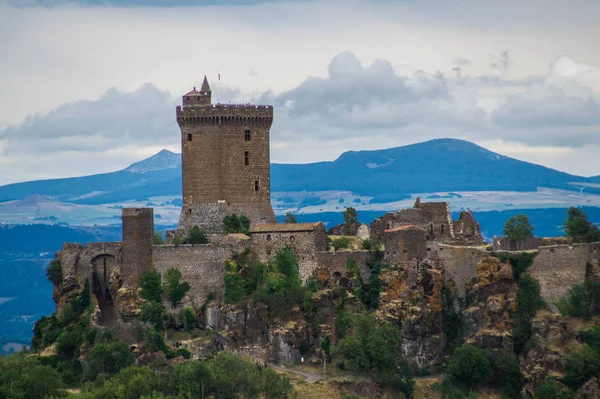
pixel 431 166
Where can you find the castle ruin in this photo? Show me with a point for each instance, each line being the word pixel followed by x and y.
pixel 225 171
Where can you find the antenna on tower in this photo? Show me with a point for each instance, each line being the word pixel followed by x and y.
pixel 581 188
pixel 219 73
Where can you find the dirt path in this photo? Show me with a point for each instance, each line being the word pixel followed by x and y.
pixel 310 377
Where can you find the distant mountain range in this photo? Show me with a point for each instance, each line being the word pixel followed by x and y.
pixel 432 166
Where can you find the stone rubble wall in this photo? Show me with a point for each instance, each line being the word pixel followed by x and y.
pixel 201 265
pixel 459 263
pixel 559 267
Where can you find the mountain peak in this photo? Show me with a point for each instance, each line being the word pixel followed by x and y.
pixel 164 159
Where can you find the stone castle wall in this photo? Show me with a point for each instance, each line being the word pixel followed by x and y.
pixel 304 244
pixel 202 266
pixel 78 260
pixel 559 267
pixel 403 244
pixel 337 262
pixel 460 263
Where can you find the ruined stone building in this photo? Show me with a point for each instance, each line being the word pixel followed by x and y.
pixel 435 219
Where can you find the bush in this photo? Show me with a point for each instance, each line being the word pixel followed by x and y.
pixel 290 218
pixel 579 228
pixel 158 238
pixel 54 272
pixel 236 224
pixel 69 342
pixel 173 288
pixel 107 359
pixel 177 240
pixel 197 236
pixel 528 303
pixel 581 364
pixel 154 313
pixel 189 319
pixel 370 244
pixel 45 332
pixel 151 287
pixel 551 389
pixel 592 338
pixel 470 365
pixel 508 373
pixel 82 301
pixel 234 288
pixel 183 352
pixel 583 300
pixel 341 242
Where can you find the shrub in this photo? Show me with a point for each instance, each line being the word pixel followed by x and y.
pixel 173 288
pixel 370 244
pixel 158 238
pixel 234 288
pixel 528 303
pixel 583 300
pixel 45 332
pixel 154 313
pixel 82 301
pixel 54 272
pixel 186 354
pixel 508 373
pixel 290 218
pixel 469 365
pixel 341 242
pixel 592 338
pixel 197 236
pixel 581 364
pixel 236 224
pixel 189 319
pixel 551 389
pixel 151 287
pixel 177 240
pixel 107 359
pixel 69 342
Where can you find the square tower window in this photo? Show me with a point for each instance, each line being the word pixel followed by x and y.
pixel 247 135
pixel 189 137
pixel 268 237
pixel 256 185
pixel 246 158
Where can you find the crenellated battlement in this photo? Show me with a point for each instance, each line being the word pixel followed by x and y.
pixel 219 113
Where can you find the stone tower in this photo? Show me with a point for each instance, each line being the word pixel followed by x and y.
pixel 225 161
pixel 138 238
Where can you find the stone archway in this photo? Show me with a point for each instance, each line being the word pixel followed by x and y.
pixel 102 266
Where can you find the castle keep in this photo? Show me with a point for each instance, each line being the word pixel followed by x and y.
pixel 225 161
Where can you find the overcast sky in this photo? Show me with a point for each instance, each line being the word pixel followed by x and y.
pixel 90 86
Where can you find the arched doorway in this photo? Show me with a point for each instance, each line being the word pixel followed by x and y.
pixel 102 267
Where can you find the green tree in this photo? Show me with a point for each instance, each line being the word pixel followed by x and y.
pixel 151 287
pixel 528 303
pixel 154 313
pixel 470 365
pixel 236 224
pixel 106 359
pixel 158 238
pixel 377 349
pixel 173 288
pixel 54 272
pixel 579 228
pixel 581 364
pixel 189 319
pixel 583 300
pixel 68 343
pixel 350 217
pixel 551 389
pixel 518 228
pixel 290 218
pixel 592 338
pixel 508 373
pixel 197 236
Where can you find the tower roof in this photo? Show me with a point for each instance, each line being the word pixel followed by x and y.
pixel 194 92
pixel 205 86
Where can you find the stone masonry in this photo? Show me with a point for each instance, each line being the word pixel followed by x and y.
pixel 138 237
pixel 404 243
pixel 225 161
pixel 304 239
